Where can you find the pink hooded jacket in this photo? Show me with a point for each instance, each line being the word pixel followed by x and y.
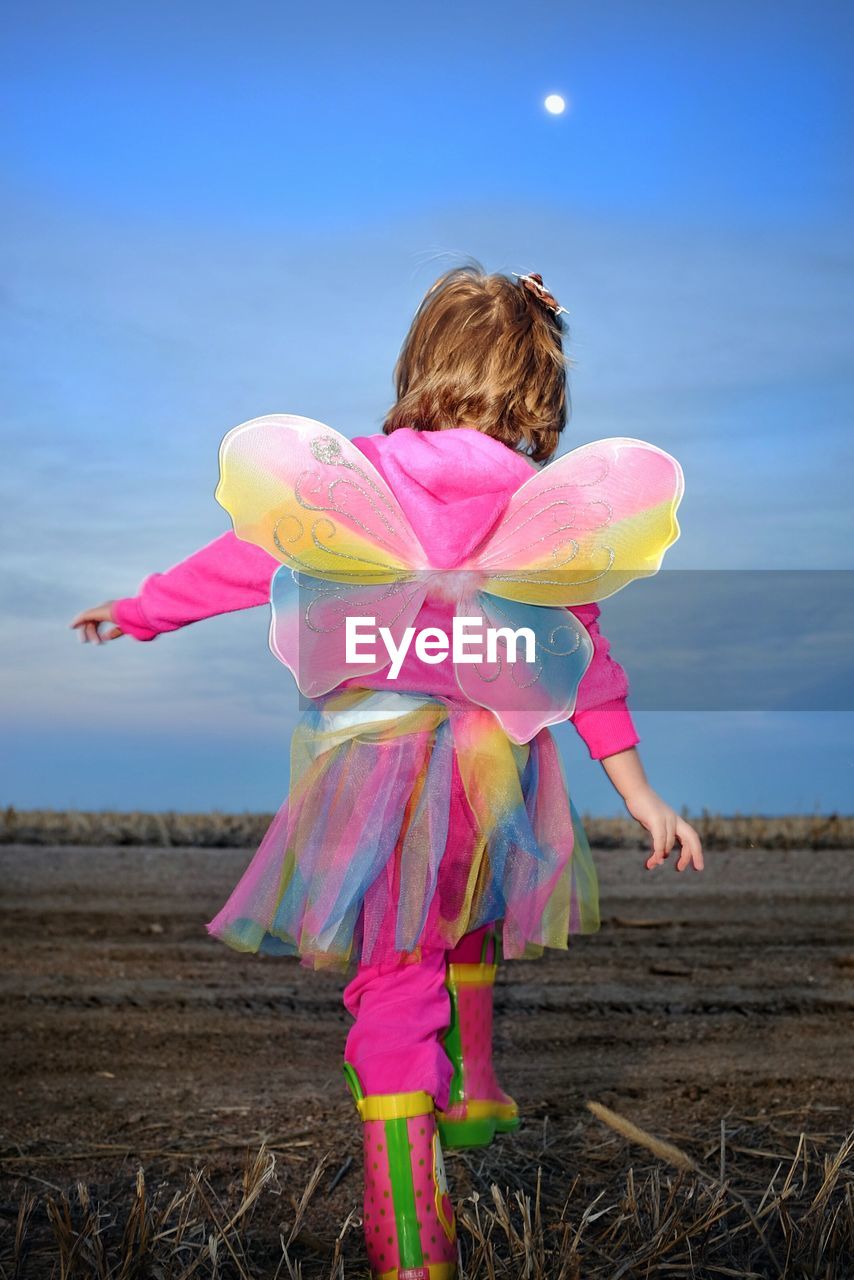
pixel 453 486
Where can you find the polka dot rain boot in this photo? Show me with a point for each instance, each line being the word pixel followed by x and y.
pixel 410 1233
pixel 478 1107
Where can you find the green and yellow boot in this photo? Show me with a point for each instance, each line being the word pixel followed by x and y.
pixel 478 1107
pixel 410 1233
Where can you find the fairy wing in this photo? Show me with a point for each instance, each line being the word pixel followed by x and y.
pixel 530 681
pixel 585 525
pixel 307 495
pixel 308 629
pixel 576 532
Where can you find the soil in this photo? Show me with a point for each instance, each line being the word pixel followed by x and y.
pixel 128 1036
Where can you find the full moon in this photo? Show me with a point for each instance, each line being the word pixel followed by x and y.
pixel 555 104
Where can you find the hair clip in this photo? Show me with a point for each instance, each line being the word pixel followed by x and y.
pixel 533 282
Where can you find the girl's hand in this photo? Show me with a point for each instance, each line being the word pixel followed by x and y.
pixel 88 622
pixel 666 827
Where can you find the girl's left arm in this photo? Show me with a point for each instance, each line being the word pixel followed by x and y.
pixel 224 575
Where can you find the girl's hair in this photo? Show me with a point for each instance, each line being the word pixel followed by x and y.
pixel 483 349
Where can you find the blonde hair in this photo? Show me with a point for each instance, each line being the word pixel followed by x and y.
pixel 482 349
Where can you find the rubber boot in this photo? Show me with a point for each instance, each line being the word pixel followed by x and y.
pixel 478 1107
pixel 410 1233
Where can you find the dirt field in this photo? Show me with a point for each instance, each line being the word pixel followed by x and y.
pixel 129 1037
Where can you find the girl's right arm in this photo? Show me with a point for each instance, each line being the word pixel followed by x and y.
pixel 663 823
pixel 226 574
pixel 603 720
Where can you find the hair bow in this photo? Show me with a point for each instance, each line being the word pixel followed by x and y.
pixel 533 283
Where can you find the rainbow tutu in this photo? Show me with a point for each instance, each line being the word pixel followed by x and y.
pixel 411 820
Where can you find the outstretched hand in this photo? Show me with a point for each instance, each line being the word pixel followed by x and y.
pixel 88 622
pixel 666 828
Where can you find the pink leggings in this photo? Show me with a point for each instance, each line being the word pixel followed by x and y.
pixel 401 1011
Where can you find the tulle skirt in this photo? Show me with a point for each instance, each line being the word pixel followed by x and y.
pixel 411 820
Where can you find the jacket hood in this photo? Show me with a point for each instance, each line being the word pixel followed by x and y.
pixel 453 485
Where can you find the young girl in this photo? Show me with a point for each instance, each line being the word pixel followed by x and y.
pixel 427 802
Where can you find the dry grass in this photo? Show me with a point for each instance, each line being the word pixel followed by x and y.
pixel 758 1200
pixel 245 830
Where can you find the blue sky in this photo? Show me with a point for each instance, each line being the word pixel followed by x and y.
pixel 214 212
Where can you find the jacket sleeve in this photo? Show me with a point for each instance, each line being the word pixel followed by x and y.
pixel 224 575
pixel 601 715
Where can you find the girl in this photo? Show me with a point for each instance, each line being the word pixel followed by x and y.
pixel 427 802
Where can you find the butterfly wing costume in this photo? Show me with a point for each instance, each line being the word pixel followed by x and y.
pixel 362 862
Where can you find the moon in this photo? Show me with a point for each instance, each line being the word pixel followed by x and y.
pixel 555 104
